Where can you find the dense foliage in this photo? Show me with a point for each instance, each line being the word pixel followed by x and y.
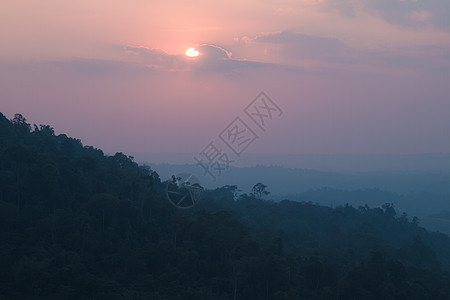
pixel 76 224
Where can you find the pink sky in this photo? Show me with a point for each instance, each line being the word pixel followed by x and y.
pixel 350 76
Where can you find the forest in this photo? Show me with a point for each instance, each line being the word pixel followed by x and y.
pixel 78 224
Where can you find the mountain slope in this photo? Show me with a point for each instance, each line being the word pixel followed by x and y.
pixel 76 224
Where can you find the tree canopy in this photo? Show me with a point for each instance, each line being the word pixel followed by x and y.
pixel 77 224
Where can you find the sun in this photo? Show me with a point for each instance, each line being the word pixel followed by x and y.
pixel 192 52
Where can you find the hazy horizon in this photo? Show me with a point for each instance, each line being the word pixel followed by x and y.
pixel 426 162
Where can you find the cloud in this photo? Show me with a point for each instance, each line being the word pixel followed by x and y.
pixel 421 58
pixel 333 54
pixel 408 13
pixel 78 65
pixel 211 58
pixel 218 59
pixel 303 46
pixel 213 52
pixel 157 58
pixel 420 16
pixel 344 7
pixel 290 52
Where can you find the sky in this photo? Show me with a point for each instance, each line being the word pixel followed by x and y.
pixel 349 76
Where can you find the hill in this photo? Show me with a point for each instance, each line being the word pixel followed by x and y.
pixel 77 224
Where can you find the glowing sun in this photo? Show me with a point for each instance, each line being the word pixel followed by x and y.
pixel 192 52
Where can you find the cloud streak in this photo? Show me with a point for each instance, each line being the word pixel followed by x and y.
pixel 407 13
pixel 211 58
pixel 331 53
pixel 298 45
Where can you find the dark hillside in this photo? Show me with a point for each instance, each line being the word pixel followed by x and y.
pixel 76 224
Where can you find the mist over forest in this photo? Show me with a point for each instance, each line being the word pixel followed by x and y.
pixel 423 192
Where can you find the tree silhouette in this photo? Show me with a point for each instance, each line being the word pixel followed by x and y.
pixel 259 190
pixel 20 123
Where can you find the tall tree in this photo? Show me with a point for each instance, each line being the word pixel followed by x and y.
pixel 259 190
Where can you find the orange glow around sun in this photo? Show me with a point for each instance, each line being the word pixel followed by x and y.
pixel 192 52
